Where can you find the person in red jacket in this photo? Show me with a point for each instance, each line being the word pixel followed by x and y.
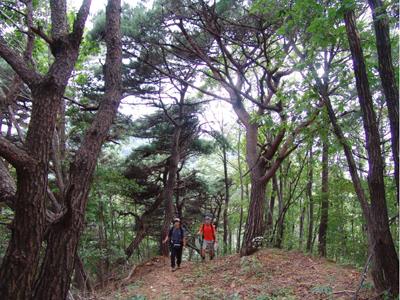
pixel 209 237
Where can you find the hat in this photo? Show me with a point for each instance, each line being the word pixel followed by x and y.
pixel 176 220
pixel 207 218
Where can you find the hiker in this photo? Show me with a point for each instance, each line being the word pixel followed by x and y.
pixel 177 239
pixel 208 233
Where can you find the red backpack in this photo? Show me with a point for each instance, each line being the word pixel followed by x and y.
pixel 213 230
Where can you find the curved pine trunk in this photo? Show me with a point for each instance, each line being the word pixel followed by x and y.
pixel 141 233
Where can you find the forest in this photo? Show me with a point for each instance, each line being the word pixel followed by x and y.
pixel 279 119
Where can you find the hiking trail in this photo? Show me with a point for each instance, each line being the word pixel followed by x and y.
pixel 268 274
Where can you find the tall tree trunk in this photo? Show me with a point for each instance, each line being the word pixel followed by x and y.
pixel 255 218
pixel 20 262
pixel 55 275
pixel 62 137
pixel 388 78
pixel 226 202
pixel 361 196
pixel 270 218
pixel 280 222
pixel 310 202
pixel 254 224
pixel 301 229
pixel 323 225
pixel 178 203
pixel 230 240
pixel 173 162
pixel 241 192
pixel 21 259
pixel 385 256
pixel 217 212
pixel 239 229
pixel 351 162
pixel 168 192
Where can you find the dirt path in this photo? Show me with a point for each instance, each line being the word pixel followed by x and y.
pixel 269 274
pixel 160 283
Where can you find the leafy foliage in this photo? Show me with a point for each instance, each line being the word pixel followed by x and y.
pixel 308 38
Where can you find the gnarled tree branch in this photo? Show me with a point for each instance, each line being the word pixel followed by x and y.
pixel 28 75
pixel 15 155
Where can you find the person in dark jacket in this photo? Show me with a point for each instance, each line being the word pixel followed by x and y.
pixel 177 239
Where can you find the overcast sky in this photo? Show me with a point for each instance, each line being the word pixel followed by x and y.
pixel 101 4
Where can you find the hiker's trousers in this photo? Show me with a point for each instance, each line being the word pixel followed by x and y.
pixel 176 255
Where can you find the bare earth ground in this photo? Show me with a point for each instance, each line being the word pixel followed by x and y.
pixel 268 274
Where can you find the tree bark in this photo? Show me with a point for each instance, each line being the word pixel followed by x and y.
pixel 254 225
pixel 178 203
pixel 323 225
pixel 226 203
pixel 55 276
pixel 255 218
pixel 385 257
pixel 388 78
pixel 281 219
pixel 217 213
pixel 270 217
pixel 168 191
pixel 21 259
pixel 301 229
pixel 310 202
pixel 241 193
pixel 19 266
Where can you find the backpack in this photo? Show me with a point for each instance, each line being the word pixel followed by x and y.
pixel 170 237
pixel 213 230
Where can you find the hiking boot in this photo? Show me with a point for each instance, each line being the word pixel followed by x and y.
pixel 179 266
pixel 173 269
pixel 211 257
